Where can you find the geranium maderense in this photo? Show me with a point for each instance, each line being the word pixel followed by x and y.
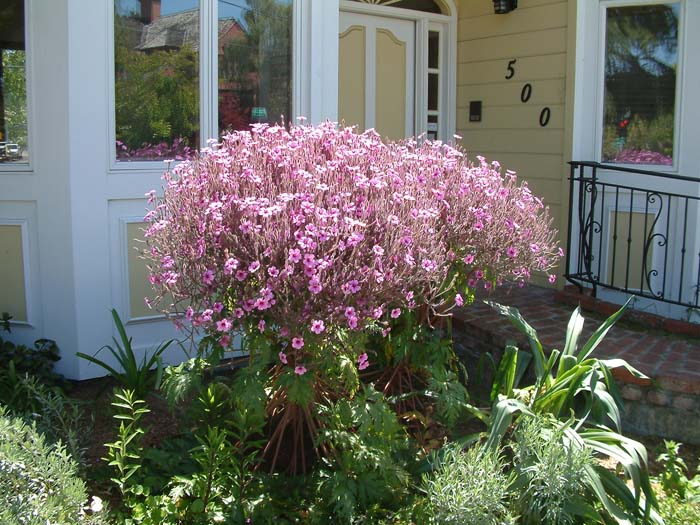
pixel 311 228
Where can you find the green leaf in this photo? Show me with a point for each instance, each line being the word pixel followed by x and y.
pixel 519 322
pixel 601 332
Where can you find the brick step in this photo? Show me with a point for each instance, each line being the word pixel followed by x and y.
pixel 667 404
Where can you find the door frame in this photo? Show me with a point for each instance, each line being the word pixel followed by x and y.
pixel 447 25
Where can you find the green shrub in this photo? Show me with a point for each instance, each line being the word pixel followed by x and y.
pixel 467 488
pixel 551 472
pixel 38 481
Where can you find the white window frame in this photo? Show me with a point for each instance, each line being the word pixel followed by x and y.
pixel 590 63
pixel 26 167
pixel 302 12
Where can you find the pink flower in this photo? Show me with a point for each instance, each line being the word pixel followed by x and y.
pixel 224 325
pixel 261 325
pixel 300 370
pixel 378 250
pixel 225 341
pixel 479 274
pixel 298 343
pixel 272 271
pixel 218 307
pixel 317 326
pixel 230 265
pixel 208 277
pixel 352 322
pixel 294 255
pixel 241 275
pixel 284 331
pixel 512 251
pixel 487 285
pixel 362 361
pixel 349 311
pixel 353 286
pixel 189 313
pixel 552 279
pixel 534 248
pixel 396 312
pixel 428 265
pixel 459 301
pixel 283 357
pixel 238 312
pixel 469 258
pixel 254 266
pixel 315 286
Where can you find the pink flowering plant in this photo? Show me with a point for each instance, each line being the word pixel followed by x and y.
pixel 305 239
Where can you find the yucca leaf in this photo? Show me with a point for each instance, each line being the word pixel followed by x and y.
pixel 519 322
pixel 504 379
pixel 600 333
pixel 501 417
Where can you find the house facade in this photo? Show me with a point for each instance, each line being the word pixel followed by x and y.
pixel 95 94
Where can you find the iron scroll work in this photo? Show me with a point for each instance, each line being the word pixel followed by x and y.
pixel 627 235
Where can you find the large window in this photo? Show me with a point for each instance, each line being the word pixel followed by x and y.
pixel 255 62
pixel 641 68
pixel 14 140
pixel 159 53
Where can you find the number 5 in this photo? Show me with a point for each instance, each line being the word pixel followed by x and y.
pixel 511 70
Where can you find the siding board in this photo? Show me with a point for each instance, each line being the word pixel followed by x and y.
pixel 526 69
pixel 545 42
pixel 529 21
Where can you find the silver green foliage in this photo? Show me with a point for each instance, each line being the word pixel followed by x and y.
pixel 467 488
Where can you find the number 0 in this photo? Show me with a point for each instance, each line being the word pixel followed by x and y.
pixel 544 116
pixel 526 93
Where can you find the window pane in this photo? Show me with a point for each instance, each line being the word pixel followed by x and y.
pixel 641 62
pixel 433 49
pixel 433 91
pixel 255 62
pixel 14 145
pixel 156 78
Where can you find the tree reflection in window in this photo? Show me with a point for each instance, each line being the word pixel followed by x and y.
pixel 255 62
pixel 156 78
pixel 14 140
pixel 641 62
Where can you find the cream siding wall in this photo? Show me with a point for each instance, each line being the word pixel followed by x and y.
pixel 537 35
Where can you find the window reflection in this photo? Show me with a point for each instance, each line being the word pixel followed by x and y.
pixel 255 62
pixel 14 141
pixel 156 78
pixel 641 63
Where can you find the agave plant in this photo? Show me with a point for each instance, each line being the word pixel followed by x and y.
pixel 578 390
pixel 139 377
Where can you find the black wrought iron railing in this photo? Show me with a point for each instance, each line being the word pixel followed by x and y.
pixel 634 231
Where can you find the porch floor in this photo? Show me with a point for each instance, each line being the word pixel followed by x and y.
pixel 672 362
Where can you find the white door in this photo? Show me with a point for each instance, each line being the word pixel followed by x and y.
pixel 376 74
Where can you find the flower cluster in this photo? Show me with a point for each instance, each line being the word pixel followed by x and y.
pixel 634 156
pixel 178 150
pixel 305 230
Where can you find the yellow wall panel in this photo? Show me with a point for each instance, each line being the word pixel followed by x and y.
pixel 525 69
pixel 548 41
pixel 474 8
pixel 523 116
pixel 139 287
pixel 351 76
pixel 391 85
pixel 520 21
pixel 544 93
pixel 523 141
pixel 13 294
